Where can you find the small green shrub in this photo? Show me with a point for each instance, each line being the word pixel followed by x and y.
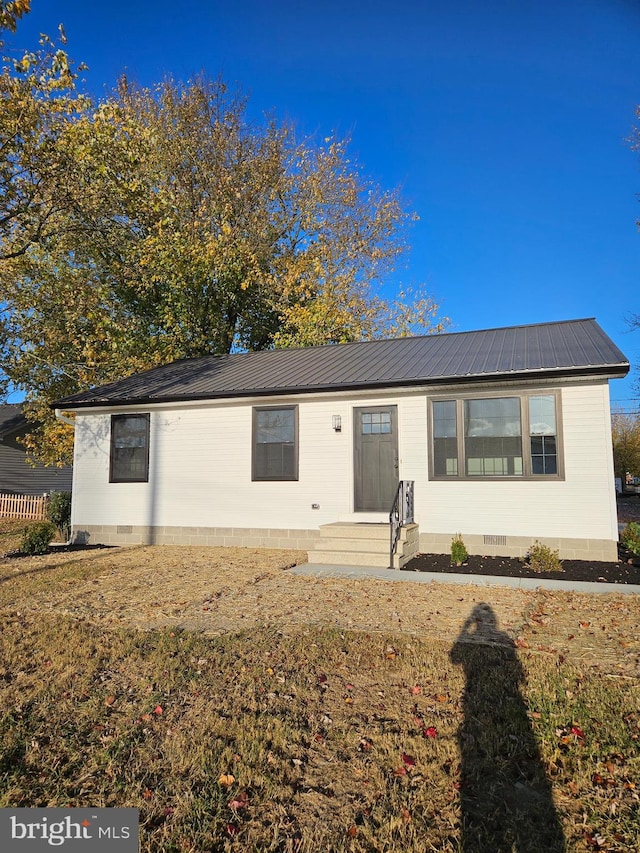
pixel 459 553
pixel 630 537
pixel 542 559
pixel 36 538
pixel 59 512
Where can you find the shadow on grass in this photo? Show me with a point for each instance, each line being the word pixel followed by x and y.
pixel 505 797
pixel 15 558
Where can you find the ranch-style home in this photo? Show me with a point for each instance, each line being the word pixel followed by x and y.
pixel 502 435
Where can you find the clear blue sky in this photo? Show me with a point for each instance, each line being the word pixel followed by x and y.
pixel 505 122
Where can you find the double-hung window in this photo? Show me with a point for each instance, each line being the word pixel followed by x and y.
pixel 129 458
pixel 514 435
pixel 275 443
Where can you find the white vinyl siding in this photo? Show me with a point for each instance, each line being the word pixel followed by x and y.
pixel 200 461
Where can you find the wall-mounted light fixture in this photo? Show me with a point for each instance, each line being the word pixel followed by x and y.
pixel 337 423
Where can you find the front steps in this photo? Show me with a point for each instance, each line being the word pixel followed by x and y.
pixel 356 544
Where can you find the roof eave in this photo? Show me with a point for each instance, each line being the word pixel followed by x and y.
pixel 612 371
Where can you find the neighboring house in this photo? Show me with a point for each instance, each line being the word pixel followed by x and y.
pixel 505 432
pixel 17 476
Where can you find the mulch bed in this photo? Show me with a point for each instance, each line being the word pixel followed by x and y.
pixel 620 572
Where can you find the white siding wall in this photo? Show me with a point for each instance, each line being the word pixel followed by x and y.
pixel 200 473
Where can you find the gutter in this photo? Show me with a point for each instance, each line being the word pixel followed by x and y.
pixel 63 418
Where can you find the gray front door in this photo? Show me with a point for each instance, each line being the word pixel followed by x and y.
pixel 375 445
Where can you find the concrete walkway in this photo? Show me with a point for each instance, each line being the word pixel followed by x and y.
pixel 355 572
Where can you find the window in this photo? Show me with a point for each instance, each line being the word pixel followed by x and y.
pixel 542 431
pixel 492 437
pixel 275 443
pixel 480 437
pixel 376 423
pixel 129 462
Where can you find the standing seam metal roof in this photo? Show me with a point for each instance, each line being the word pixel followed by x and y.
pixel 560 349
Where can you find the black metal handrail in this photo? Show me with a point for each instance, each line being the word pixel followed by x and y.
pixel 401 514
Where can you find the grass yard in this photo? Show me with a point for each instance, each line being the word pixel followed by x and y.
pixel 316 738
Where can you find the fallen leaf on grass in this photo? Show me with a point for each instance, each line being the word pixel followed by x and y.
pixel 416 691
pixel 239 802
pixel 226 780
pixel 109 700
pixel 430 731
pixel 158 710
pixel 409 760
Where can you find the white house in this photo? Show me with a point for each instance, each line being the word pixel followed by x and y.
pixel 505 434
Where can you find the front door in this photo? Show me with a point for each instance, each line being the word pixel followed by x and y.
pixel 375 457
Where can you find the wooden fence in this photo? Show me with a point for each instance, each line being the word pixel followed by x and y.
pixel 24 506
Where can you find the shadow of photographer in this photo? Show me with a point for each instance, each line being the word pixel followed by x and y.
pixel 506 802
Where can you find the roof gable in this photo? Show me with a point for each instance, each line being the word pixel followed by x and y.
pixel 573 347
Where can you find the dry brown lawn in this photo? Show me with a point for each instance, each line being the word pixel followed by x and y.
pixel 242 707
pixel 221 590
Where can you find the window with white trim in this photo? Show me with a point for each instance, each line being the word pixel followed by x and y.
pixel 480 437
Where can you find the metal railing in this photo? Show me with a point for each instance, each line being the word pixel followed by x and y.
pixel 401 514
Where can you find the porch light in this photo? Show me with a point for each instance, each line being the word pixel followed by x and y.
pixel 337 423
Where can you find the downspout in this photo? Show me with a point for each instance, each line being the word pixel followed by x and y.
pixel 71 423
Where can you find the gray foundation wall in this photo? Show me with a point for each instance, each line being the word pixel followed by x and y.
pixel 595 550
pixel 127 534
pixel 304 540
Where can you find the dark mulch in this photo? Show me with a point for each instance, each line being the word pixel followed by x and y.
pixel 620 572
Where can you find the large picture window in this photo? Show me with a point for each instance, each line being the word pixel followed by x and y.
pixel 494 437
pixel 275 443
pixel 129 462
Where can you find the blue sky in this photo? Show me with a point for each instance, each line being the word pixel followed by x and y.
pixel 505 123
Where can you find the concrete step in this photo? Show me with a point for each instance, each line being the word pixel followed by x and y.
pixel 376 546
pixel 349 558
pixel 348 530
pixel 363 544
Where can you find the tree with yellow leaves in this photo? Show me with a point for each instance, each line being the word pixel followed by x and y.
pixel 162 224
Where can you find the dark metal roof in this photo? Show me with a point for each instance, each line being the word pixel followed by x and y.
pixel 569 348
